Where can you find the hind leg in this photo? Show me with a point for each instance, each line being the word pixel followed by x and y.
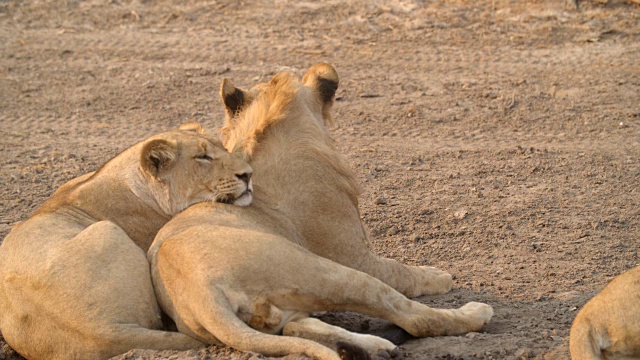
pixel 206 312
pixel 86 297
pixel 411 281
pixel 329 335
pixel 341 237
pixel 326 285
pixel 129 310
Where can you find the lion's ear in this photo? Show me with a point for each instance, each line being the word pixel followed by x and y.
pixel 192 126
pixel 323 80
pixel 158 156
pixel 234 99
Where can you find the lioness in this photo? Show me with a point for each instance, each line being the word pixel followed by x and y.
pixel 608 326
pixel 74 279
pixel 238 275
pixel 304 179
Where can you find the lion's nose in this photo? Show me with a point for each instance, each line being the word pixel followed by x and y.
pixel 244 177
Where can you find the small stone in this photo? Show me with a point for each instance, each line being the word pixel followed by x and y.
pixel 567 295
pixel 460 214
pixel 380 201
pixel 523 353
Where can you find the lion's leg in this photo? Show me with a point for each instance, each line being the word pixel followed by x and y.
pixel 120 338
pixel 340 236
pixel 349 249
pixel 213 312
pixel 87 297
pixel 329 335
pixel 372 297
pixel 411 281
pixel 336 287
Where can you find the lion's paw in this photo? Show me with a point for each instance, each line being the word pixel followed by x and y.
pixel 375 344
pixel 432 282
pixel 479 314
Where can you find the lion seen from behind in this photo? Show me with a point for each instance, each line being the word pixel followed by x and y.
pixel 241 276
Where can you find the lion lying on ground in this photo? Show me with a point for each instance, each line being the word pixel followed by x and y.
pixel 239 275
pixel 74 279
pixel 308 182
pixel 608 326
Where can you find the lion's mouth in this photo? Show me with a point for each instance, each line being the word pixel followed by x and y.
pixel 243 199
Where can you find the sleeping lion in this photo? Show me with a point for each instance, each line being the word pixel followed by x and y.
pixel 243 275
pixel 74 279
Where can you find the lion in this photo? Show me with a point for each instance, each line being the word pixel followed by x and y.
pixel 240 275
pixel 74 278
pixel 608 326
pixel 316 190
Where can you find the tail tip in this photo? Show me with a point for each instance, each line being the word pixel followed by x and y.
pixel 348 351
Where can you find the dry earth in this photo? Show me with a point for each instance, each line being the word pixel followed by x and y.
pixel 498 140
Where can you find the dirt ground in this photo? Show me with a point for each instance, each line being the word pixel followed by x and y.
pixel 498 140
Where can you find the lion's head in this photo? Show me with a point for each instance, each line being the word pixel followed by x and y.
pixel 188 166
pixel 281 126
pixel 251 112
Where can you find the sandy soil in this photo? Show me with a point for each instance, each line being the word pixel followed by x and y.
pixel 498 140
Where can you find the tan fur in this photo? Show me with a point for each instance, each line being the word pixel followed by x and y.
pixel 282 131
pixel 239 275
pixel 74 279
pixel 608 326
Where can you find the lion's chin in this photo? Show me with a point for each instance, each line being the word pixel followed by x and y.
pixel 244 199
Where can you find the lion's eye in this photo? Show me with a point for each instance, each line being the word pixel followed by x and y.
pixel 204 157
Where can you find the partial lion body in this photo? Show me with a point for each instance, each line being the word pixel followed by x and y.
pixel 224 276
pixel 45 316
pixel 242 275
pixel 282 131
pixel 608 326
pixel 74 278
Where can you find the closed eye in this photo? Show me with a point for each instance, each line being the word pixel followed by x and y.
pixel 204 157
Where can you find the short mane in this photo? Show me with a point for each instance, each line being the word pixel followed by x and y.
pixel 271 106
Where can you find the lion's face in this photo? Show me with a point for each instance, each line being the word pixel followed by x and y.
pixel 188 166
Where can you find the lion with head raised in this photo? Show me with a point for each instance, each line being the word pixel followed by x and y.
pixel 301 176
pixel 243 275
pixel 74 279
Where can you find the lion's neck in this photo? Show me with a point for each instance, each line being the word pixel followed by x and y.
pixel 123 201
pixel 302 175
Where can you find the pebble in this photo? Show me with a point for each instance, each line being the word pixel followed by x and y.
pixel 567 295
pixel 460 214
pixel 523 353
pixel 380 201
pixel 472 335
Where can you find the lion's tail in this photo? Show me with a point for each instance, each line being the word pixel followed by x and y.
pixel 218 318
pixel 352 352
